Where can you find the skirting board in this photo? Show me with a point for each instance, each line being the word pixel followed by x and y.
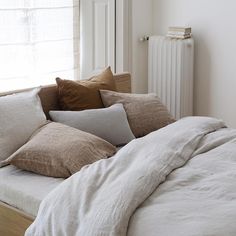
pixel 12 221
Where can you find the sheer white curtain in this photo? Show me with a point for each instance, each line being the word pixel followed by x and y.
pixel 39 40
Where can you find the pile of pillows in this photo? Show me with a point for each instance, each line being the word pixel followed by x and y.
pixel 93 120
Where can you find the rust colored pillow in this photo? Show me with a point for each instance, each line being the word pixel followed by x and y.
pixel 84 94
pixel 58 150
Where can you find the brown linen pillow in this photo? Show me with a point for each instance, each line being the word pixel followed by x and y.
pixel 145 112
pixel 84 94
pixel 58 150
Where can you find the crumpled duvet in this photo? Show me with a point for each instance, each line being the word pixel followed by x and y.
pixel 166 183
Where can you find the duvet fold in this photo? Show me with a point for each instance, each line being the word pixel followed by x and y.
pixel 101 198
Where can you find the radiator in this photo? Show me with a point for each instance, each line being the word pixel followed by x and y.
pixel 170 73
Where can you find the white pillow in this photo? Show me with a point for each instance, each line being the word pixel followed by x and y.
pixel 20 115
pixel 109 123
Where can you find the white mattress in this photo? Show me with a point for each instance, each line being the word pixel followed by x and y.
pixel 25 190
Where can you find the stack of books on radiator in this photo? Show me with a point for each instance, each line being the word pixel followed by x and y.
pixel 179 32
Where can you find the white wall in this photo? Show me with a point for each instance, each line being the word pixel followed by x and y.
pixel 141 22
pixel 213 23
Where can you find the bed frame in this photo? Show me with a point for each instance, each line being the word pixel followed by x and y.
pixel 14 222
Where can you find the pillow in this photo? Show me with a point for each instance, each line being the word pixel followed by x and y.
pixel 145 111
pixel 84 94
pixel 58 150
pixel 20 115
pixel 109 123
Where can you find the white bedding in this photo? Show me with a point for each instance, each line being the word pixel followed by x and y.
pixel 198 199
pixel 24 190
pixel 180 180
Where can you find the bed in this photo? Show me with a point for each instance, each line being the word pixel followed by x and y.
pixel 177 180
pixel 21 197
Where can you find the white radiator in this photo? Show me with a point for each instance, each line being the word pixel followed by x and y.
pixel 171 73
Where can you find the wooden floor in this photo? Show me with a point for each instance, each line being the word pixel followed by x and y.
pixel 12 221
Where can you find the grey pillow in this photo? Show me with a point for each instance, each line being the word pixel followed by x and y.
pixel 109 123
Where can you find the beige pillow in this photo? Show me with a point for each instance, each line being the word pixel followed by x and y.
pixel 58 150
pixel 84 94
pixel 145 112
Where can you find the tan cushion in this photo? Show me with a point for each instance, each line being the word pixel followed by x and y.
pixel 84 94
pixel 145 112
pixel 58 150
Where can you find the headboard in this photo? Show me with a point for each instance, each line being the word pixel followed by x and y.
pixel 48 94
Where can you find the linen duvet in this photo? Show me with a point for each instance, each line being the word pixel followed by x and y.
pixel 179 180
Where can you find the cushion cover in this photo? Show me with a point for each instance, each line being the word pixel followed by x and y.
pixel 20 115
pixel 58 150
pixel 145 112
pixel 109 123
pixel 84 94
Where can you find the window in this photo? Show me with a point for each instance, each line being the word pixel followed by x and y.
pixel 39 41
pixel 98 36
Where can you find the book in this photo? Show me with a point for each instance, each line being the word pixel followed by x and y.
pixel 178 33
pixel 178 36
pixel 181 29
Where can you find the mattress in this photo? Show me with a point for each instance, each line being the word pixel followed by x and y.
pixel 25 190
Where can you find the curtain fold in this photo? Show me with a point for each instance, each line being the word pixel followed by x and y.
pixel 39 41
